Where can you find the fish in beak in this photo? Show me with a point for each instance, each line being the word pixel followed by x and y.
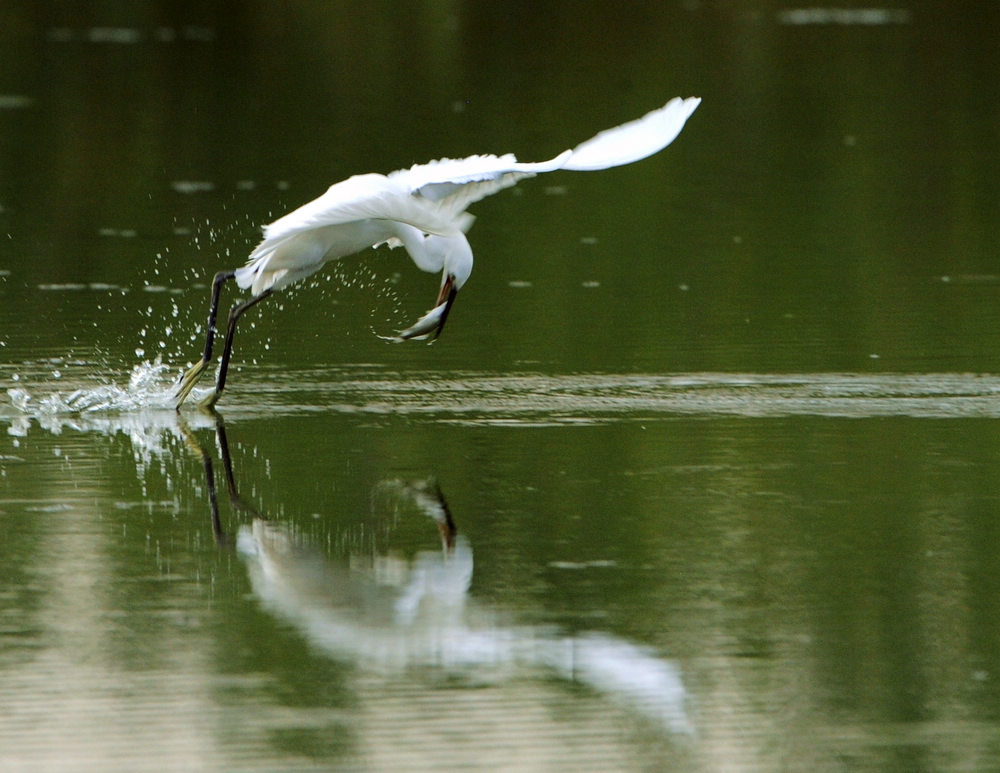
pixel 431 324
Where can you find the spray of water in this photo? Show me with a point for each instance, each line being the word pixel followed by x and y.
pixel 149 387
pixel 169 304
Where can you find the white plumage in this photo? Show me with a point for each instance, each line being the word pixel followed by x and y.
pixel 370 209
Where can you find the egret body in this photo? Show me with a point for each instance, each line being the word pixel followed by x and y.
pixel 422 209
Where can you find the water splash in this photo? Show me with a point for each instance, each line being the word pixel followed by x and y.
pixel 141 410
pixel 150 387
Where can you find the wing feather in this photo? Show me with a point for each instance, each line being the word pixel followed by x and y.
pixel 634 140
pixel 455 183
pixel 363 197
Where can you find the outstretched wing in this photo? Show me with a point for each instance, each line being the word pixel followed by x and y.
pixel 454 184
pixel 634 140
pixel 362 197
pixel 432 198
pixel 359 212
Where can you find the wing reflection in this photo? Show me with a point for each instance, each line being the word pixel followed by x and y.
pixel 392 615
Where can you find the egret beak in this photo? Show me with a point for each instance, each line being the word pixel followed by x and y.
pixel 431 324
pixel 446 297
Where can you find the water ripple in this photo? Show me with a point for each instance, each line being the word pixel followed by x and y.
pixel 528 399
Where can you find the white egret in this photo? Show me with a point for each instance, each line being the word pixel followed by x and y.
pixel 422 208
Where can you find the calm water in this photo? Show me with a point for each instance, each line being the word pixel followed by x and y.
pixel 702 474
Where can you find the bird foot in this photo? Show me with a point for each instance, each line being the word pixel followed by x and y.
pixel 209 401
pixel 187 382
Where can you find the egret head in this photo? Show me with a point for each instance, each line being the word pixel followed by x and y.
pixel 457 269
pixel 456 258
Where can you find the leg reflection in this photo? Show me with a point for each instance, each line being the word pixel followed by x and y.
pixel 237 502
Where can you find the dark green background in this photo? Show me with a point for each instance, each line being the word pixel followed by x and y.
pixel 716 404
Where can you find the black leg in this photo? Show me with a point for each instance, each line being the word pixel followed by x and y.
pixel 234 317
pixel 213 311
pixel 189 379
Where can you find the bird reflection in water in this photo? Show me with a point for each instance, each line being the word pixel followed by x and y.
pixel 391 616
